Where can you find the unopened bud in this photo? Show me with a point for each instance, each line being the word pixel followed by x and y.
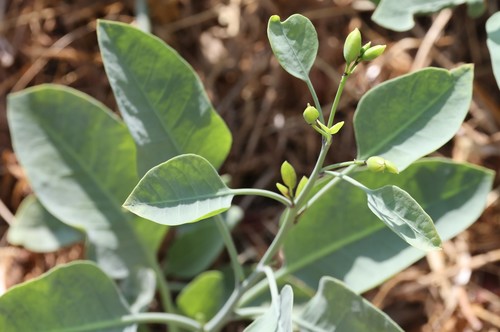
pixel 288 175
pixel 373 52
pixel 311 114
pixel 352 46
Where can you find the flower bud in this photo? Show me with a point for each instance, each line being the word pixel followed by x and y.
pixel 311 114
pixel 302 184
pixel 336 127
pixel 373 52
pixel 288 175
pixel 379 164
pixel 365 47
pixel 375 164
pixel 283 190
pixel 391 167
pixel 352 46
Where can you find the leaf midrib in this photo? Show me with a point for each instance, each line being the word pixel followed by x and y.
pixel 377 148
pixel 143 94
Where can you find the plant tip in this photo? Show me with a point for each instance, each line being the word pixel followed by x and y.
pixel 275 18
pixel 352 46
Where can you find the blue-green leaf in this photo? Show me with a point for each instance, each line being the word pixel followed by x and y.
pixel 73 297
pixel 493 42
pixel 182 190
pixel 160 97
pixel 411 116
pixel 404 216
pixel 338 236
pixel 294 43
pixel 337 308
pixel 37 230
pixel 398 15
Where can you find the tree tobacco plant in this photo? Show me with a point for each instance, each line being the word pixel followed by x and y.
pixel 119 183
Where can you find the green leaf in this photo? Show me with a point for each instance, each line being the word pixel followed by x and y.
pixel 74 297
pixel 294 43
pixel 279 316
pixel 337 308
pixel 37 230
pixel 182 190
pixel 203 297
pixel 338 236
pixel 398 15
pixel 160 98
pixel 493 42
pixel 198 245
pixel 404 216
pixel 411 116
pixel 80 160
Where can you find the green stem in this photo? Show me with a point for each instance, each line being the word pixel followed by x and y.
pixel 140 318
pixel 328 186
pixel 239 275
pixel 350 180
pixel 342 165
pixel 316 100
pixel 165 293
pixel 261 192
pixel 336 101
pixel 224 314
pixel 273 287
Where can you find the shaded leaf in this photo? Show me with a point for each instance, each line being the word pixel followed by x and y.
pixel 337 308
pixel 398 15
pixel 404 216
pixel 411 116
pixel 80 160
pixel 198 245
pixel 182 190
pixel 493 42
pixel 294 43
pixel 77 296
pixel 160 98
pixel 203 297
pixel 37 230
pixel 338 236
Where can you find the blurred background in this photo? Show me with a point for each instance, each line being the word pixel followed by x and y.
pixel 54 41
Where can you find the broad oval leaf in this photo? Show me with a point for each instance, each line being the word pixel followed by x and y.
pixel 279 316
pixel 37 230
pixel 80 160
pixel 74 297
pixel 202 298
pixel 397 15
pixel 160 98
pixel 337 308
pixel 404 216
pixel 294 43
pixel 182 190
pixel 493 42
pixel 338 236
pixel 413 115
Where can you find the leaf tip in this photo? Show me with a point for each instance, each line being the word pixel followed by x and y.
pixel 275 19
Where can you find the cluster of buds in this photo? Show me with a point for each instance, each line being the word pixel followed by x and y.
pixel 311 115
pixel 290 189
pixel 354 52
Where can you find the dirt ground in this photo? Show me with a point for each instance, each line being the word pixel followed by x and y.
pixel 52 41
